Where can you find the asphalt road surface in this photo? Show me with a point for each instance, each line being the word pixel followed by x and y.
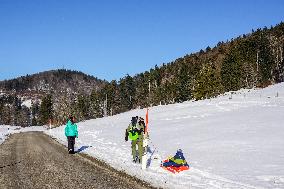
pixel 34 160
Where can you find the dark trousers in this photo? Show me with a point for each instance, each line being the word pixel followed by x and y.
pixel 71 143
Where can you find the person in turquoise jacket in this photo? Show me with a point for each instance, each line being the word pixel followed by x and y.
pixel 71 133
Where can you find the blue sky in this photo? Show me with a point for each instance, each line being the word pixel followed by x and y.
pixel 109 39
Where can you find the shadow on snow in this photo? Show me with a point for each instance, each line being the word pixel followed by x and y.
pixel 82 148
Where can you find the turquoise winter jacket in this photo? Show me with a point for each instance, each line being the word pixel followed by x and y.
pixel 71 129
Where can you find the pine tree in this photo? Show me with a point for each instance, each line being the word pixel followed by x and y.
pixel 183 83
pixel 207 83
pixel 113 98
pixel 35 114
pixel 83 105
pixel 127 93
pixel 23 117
pixel 95 105
pixel 142 90
pixel 232 72
pixel 266 62
pixel 46 109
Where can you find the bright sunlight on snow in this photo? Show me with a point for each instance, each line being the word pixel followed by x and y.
pixel 233 141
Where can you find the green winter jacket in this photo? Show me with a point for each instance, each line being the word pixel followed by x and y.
pixel 137 129
pixel 71 129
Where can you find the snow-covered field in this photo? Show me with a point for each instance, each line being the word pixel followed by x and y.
pixel 232 141
pixel 228 142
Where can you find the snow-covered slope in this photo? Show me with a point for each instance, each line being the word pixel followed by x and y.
pixel 232 141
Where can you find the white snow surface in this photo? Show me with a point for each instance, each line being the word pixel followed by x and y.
pixel 27 103
pixel 228 142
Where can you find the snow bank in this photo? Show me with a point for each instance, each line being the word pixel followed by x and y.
pixel 7 130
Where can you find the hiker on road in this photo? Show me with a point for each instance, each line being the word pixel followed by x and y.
pixel 71 133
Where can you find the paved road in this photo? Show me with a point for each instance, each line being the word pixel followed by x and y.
pixel 34 160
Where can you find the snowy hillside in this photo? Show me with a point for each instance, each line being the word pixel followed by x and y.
pixel 233 141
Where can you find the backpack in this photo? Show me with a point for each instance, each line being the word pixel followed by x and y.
pixel 133 133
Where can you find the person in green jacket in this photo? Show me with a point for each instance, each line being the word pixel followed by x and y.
pixel 71 133
pixel 135 132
